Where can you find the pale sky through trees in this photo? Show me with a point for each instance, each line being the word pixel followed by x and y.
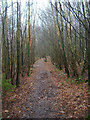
pixel 38 5
pixel 41 4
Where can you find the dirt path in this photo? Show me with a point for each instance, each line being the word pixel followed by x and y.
pixel 41 101
pixel 42 95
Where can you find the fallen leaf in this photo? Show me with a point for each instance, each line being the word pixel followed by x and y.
pixel 6 111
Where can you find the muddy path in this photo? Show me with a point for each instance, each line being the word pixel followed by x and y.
pixel 41 101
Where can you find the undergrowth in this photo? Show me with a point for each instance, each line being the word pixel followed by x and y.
pixel 6 85
pixel 88 117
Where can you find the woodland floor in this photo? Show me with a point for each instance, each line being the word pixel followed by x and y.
pixel 46 93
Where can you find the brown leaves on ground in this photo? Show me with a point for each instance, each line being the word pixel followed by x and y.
pixel 73 96
pixel 47 92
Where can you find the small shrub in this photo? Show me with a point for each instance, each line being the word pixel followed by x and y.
pixel 62 83
pixel 72 81
pixel 87 91
pixel 86 81
pixel 79 80
pixel 27 73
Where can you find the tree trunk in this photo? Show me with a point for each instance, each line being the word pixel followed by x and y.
pixel 89 46
pixel 12 49
pixel 18 48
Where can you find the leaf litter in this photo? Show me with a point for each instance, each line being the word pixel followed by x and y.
pixel 46 94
